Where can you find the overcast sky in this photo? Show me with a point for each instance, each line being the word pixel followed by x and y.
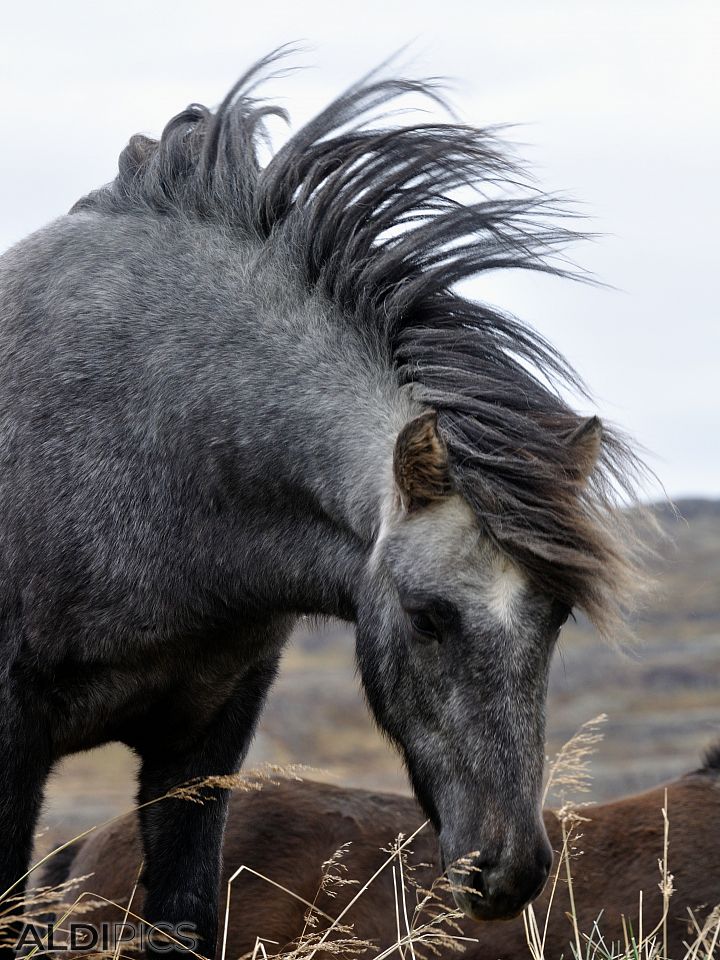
pixel 619 103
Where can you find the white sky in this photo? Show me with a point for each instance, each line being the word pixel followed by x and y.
pixel 619 102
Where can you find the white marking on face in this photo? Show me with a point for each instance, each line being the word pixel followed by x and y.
pixel 388 511
pixel 505 587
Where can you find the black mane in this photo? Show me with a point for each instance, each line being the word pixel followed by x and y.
pixel 384 221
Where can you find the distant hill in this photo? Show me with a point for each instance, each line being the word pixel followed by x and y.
pixel 690 508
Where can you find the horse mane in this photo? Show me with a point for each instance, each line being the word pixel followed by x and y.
pixel 383 221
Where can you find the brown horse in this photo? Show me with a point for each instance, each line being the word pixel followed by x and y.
pixel 287 830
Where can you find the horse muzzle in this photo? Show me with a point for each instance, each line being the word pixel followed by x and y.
pixel 499 889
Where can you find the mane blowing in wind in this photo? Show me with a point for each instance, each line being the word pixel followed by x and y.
pixel 371 216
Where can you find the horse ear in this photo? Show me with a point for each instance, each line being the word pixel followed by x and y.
pixel 420 463
pixel 585 442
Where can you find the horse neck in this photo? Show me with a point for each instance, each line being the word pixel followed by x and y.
pixel 329 410
pixel 326 410
pixel 347 450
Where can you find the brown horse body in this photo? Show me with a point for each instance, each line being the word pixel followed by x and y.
pixel 287 830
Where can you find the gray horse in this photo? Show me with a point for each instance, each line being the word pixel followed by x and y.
pixel 232 395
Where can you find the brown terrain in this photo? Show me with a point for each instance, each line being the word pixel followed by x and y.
pixel 662 700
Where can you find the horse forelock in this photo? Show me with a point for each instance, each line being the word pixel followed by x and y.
pixel 380 222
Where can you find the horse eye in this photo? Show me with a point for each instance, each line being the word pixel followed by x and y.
pixel 425 627
pixel 562 613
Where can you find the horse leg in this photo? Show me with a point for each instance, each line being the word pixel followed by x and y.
pixel 182 840
pixel 24 766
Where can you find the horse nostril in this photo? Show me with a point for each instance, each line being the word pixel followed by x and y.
pixel 498 888
pixel 477 879
pixel 544 859
pixel 468 879
pixel 544 862
pixel 493 885
pixel 504 893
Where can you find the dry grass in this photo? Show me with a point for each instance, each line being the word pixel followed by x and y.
pixel 637 944
pixel 425 926
pixel 570 774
